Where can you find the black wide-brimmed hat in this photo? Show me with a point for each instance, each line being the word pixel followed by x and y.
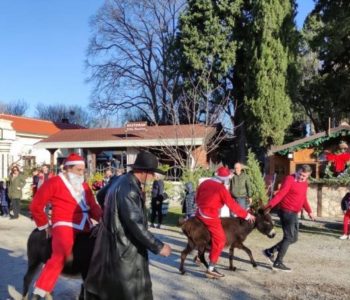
pixel 146 161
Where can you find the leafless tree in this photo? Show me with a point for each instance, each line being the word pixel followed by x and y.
pixel 73 114
pixel 205 115
pixel 131 57
pixel 17 108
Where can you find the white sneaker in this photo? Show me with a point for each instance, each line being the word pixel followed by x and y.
pixel 344 237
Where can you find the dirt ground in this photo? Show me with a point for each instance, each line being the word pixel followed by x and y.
pixel 319 260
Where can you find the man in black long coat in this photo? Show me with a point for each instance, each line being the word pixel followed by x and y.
pixel 119 267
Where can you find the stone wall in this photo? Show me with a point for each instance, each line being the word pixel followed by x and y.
pixel 325 200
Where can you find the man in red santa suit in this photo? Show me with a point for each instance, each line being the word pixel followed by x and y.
pixel 211 196
pixel 73 204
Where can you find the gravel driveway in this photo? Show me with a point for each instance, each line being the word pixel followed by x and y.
pixel 320 263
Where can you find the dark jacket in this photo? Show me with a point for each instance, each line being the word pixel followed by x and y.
pixel 119 264
pixel 158 190
pixel 345 202
pixel 101 194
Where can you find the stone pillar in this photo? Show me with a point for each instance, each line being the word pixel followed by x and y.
pixel 91 162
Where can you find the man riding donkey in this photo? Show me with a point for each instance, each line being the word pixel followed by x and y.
pixel 73 204
pixel 211 196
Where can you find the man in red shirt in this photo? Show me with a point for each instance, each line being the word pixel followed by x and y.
pixel 73 204
pixel 210 198
pixel 291 199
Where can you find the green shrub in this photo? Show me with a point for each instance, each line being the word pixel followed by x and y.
pixel 194 175
pixel 256 179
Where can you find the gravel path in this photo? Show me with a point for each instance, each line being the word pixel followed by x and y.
pixel 320 263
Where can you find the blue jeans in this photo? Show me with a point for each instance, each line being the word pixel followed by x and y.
pixel 5 210
pixel 242 201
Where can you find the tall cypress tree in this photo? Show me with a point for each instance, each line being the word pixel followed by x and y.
pixel 273 48
pixel 250 49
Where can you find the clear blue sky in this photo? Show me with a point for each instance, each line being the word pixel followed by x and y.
pixel 43 46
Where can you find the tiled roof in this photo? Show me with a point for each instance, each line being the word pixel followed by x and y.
pixel 36 126
pixel 120 134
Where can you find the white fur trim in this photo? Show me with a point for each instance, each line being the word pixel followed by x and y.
pixel 223 178
pixel 43 227
pixel 40 292
pixel 74 162
pixel 203 215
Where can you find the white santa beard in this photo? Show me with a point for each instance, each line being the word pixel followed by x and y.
pixel 77 186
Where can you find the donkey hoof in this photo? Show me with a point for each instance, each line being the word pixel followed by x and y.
pixel 182 272
pixel 255 265
pixel 232 269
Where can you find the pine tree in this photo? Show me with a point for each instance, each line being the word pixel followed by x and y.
pixel 325 91
pixel 206 35
pixel 256 179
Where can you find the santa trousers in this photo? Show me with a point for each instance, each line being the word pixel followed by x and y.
pixel 218 237
pixel 62 245
pixel 346 222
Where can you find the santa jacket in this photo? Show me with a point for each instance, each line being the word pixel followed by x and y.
pixel 211 197
pixel 291 196
pixel 67 210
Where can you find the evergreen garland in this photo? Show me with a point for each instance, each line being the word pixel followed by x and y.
pixel 316 143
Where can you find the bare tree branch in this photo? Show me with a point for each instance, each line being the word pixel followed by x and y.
pixel 129 55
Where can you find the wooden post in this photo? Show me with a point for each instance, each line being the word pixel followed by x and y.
pixel 52 159
pixel 319 200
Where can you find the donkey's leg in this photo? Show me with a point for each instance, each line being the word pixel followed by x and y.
pixel 201 255
pixel 232 268
pixel 184 254
pixel 196 260
pixel 247 250
pixel 28 277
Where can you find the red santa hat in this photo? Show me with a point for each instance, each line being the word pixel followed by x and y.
pixel 223 173
pixel 74 159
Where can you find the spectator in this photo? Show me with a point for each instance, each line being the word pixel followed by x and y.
pixel 4 201
pixel 108 176
pixel 16 184
pixel 345 206
pixel 190 206
pixel 157 201
pixel 44 175
pixel 35 178
pixel 101 194
pixel 240 187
